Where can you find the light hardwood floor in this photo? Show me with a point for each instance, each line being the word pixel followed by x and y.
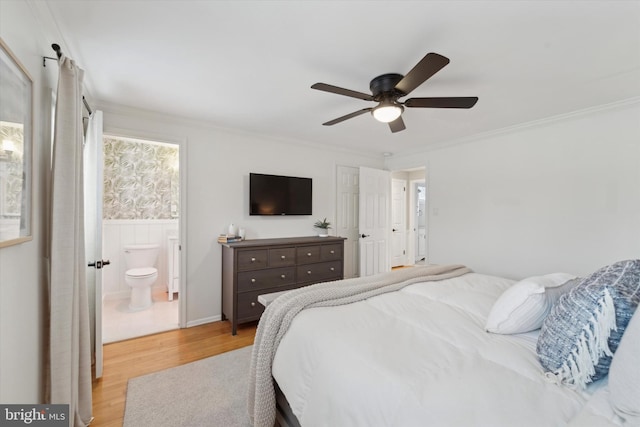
pixel 140 356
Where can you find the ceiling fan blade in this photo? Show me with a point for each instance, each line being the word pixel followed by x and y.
pixel 348 116
pixel 341 91
pixel 452 102
pixel 397 125
pixel 427 67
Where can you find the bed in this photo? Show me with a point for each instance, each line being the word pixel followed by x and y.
pixel 416 355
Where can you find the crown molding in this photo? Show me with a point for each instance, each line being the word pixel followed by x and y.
pixel 211 126
pixel 617 105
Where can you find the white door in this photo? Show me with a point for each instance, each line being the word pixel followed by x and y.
pixel 398 222
pixel 374 207
pixel 93 184
pixel 347 190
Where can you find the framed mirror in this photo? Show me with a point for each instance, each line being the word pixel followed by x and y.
pixel 16 149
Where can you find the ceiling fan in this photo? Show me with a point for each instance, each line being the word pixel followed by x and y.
pixel 388 88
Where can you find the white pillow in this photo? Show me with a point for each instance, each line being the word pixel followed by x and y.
pixel 523 306
pixel 624 374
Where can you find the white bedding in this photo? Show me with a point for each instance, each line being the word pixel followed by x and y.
pixel 418 357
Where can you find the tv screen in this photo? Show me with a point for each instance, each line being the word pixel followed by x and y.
pixel 279 195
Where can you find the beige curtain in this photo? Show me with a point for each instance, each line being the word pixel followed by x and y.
pixel 70 346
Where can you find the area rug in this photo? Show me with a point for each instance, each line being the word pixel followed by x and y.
pixel 209 392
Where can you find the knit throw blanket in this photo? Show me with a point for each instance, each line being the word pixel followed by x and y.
pixel 277 317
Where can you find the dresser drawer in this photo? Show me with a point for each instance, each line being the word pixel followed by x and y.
pixel 306 254
pixel 320 272
pixel 265 279
pixel 331 252
pixel 248 306
pixel 252 260
pixel 282 257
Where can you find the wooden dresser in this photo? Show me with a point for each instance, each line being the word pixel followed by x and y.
pixel 261 266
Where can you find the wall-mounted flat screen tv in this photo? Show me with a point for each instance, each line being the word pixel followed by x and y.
pixel 279 195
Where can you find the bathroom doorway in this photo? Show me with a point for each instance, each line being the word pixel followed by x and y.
pixel 142 205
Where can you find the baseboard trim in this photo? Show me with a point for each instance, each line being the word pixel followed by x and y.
pixel 204 321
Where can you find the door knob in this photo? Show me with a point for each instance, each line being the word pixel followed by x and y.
pixel 364 235
pixel 393 229
pixel 99 264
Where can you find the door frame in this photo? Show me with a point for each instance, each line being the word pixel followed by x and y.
pixel 182 235
pixel 412 218
pixel 182 220
pixel 399 236
pixel 410 205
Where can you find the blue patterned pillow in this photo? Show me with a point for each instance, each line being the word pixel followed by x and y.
pixel 583 330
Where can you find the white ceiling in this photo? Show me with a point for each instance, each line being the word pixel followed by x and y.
pixel 249 65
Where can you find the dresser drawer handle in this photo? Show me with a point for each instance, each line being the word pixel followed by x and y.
pixel 253 304
pixel 308 253
pixel 283 276
pixel 282 257
pixel 332 252
pixel 308 271
pixel 332 269
pixel 253 260
pixel 253 280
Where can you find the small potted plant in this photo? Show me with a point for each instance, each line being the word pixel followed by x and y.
pixel 323 227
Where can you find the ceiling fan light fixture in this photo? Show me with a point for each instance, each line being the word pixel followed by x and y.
pixel 387 112
pixel 387 89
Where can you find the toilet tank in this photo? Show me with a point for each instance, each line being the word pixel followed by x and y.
pixel 139 256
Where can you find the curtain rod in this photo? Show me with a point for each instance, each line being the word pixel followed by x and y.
pixel 58 50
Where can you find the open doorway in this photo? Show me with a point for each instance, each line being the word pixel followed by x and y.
pixel 141 210
pixel 407 238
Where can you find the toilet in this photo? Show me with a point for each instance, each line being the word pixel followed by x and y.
pixel 141 274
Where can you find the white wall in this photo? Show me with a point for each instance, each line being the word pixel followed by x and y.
pixel 23 289
pixel 559 195
pixel 218 163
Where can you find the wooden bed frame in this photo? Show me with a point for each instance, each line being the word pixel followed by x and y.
pixel 284 414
